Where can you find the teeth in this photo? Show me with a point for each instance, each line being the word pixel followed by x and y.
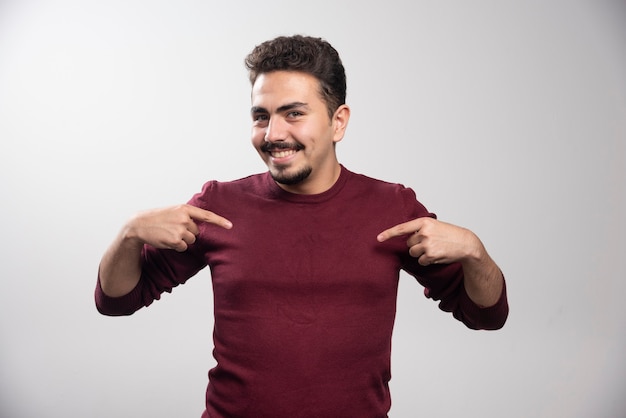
pixel 282 154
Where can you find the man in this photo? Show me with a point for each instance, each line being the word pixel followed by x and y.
pixel 305 258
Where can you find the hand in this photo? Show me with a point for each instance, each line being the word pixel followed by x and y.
pixel 433 242
pixel 173 227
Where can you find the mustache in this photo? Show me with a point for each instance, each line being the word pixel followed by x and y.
pixel 277 146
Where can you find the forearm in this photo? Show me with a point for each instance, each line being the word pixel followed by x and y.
pixel 482 278
pixel 120 268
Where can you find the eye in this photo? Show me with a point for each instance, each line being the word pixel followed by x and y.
pixel 259 117
pixel 294 114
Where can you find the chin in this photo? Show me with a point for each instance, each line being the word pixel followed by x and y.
pixel 287 178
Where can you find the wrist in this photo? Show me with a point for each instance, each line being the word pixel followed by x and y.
pixel 129 235
pixel 475 252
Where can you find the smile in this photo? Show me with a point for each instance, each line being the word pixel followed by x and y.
pixel 281 150
pixel 282 153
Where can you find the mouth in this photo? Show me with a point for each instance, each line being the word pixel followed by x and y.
pixel 281 151
pixel 282 154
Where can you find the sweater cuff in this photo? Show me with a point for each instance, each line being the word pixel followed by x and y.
pixel 117 306
pixel 489 318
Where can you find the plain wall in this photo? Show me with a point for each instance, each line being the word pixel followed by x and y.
pixel 508 118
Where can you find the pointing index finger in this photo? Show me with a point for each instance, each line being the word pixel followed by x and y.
pixel 405 228
pixel 199 214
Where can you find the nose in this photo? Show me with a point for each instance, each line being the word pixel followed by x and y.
pixel 275 130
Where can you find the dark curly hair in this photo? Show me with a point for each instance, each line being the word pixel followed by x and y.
pixel 309 55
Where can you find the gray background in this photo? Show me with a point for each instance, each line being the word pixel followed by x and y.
pixel 506 117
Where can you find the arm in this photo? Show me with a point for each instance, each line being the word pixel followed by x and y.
pixel 170 228
pixel 482 278
pixel 435 242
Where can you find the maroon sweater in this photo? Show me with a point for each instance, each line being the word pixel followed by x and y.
pixel 305 296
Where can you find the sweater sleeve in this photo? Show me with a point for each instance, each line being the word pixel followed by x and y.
pixel 444 283
pixel 162 270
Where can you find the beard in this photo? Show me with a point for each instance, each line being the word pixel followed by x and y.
pixel 282 176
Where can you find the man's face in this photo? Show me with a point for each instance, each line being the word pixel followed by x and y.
pixel 292 131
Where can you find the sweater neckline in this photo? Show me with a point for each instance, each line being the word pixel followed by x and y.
pixel 278 193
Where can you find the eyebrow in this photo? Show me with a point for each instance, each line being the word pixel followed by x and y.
pixel 284 108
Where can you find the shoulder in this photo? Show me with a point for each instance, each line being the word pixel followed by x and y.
pixel 371 181
pixel 388 194
pixel 246 187
pixel 251 182
pixel 374 185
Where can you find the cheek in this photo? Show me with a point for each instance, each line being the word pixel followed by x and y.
pixel 257 137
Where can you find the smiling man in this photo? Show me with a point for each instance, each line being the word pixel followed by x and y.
pixel 305 258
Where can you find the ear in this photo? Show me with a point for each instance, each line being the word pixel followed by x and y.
pixel 340 122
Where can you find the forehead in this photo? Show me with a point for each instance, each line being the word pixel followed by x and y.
pixel 284 87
